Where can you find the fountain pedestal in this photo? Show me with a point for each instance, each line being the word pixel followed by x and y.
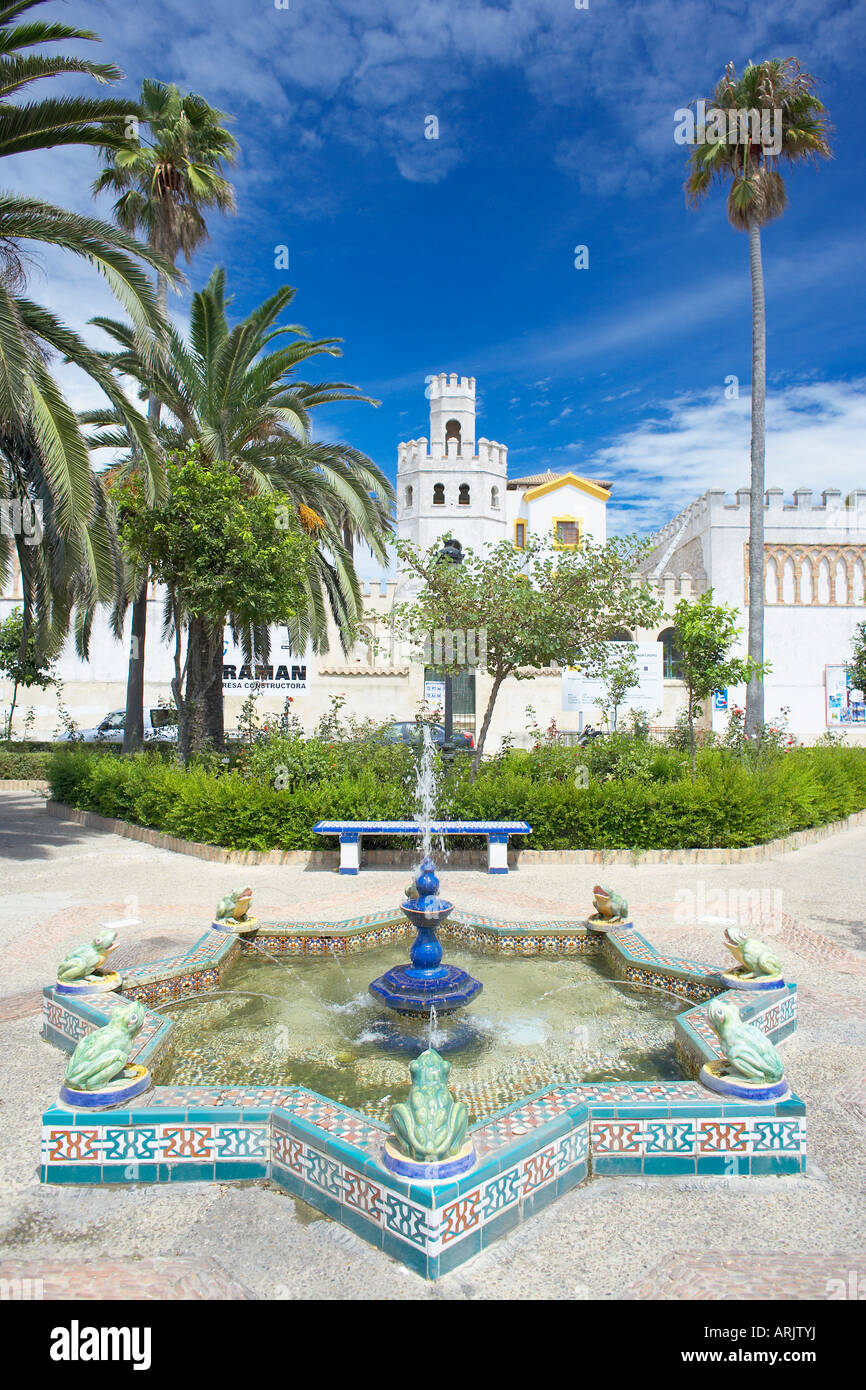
pixel 426 984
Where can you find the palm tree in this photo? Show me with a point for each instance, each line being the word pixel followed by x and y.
pixel 242 403
pixel 757 196
pixel 44 464
pixel 164 185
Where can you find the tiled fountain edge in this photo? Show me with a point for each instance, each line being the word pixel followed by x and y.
pixel 330 1156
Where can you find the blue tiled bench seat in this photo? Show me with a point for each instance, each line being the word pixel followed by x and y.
pixel 350 832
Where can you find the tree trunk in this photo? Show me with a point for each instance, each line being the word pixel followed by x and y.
pixel 12 712
pixel 133 728
pixel 203 640
pixel 488 715
pixel 214 718
pixel 755 688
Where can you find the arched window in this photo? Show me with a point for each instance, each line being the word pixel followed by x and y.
pixel 438 494
pixel 494 498
pixel 671 654
pixel 452 431
pixel 463 499
pixel 408 496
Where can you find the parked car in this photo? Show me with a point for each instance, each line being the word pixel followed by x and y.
pixel 160 726
pixel 407 731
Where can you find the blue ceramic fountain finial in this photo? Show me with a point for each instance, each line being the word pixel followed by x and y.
pixel 426 983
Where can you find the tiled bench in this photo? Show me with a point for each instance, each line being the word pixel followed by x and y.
pixel 350 832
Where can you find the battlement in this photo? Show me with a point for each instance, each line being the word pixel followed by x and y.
pixel 488 455
pixel 450 384
pixel 713 508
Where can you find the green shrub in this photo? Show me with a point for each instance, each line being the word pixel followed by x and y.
pixel 729 803
pixel 22 764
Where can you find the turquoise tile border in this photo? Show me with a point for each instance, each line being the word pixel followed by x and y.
pixel 336 1152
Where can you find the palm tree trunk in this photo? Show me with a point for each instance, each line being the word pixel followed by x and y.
pixel 755 688
pixel 214 716
pixel 133 728
pixel 204 642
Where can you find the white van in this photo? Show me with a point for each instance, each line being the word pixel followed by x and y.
pixel 160 726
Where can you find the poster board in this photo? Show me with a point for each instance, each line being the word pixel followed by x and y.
pixel 843 701
pixel 580 691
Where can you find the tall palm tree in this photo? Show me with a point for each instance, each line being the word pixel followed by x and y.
pixel 44 464
pixel 757 196
pixel 237 395
pixel 165 181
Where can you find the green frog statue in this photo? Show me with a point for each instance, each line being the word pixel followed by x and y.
pixel 86 959
pixel 749 1059
pixel 81 973
pixel 610 907
pixel 756 963
pixel 103 1055
pixel 431 1125
pixel 232 910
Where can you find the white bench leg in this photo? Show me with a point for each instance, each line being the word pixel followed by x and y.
pixel 350 853
pixel 497 854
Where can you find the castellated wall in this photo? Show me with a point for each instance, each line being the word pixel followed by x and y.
pixel 814 585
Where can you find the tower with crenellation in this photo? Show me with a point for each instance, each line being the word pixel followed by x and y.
pixel 451 483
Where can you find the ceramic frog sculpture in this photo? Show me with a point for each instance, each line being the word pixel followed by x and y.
pixel 746 1049
pixel 234 905
pixel 754 957
pixel 431 1124
pixel 85 959
pixel 103 1055
pixel 609 904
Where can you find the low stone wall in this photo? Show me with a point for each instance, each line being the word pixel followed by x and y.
pixel 458 858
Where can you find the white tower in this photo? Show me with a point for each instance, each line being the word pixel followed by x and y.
pixel 451 486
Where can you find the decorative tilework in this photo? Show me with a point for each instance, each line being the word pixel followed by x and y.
pixel 331 1155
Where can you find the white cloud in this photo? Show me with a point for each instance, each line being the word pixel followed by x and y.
pixel 816 437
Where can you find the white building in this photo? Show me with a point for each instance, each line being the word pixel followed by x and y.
pixel 451 484
pixel 457 483
pixel 814 593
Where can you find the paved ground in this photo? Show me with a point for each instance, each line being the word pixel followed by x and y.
pixel 620 1238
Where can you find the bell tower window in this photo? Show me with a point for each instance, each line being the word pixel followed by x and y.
pixel 438 494
pixel 408 496
pixel 494 498
pixel 463 499
pixel 452 431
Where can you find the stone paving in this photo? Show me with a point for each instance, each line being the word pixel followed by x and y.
pixel 611 1239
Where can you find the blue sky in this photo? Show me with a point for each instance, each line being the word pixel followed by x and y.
pixel 457 254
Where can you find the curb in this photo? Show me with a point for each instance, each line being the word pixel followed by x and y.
pixel 748 854
pixel 10 784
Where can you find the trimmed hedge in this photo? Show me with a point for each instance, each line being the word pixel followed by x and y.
pixel 23 764
pixel 731 803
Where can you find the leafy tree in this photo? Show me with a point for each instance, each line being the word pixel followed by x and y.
pixel 536 607
pixel 218 547
pixel 166 174
pixel 43 457
pixel 620 675
pixel 19 661
pixel 857 664
pixel 757 196
pixel 239 399
pixel 706 632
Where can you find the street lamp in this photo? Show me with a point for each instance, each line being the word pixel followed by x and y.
pixel 452 551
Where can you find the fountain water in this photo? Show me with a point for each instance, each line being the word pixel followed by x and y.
pixel 426 987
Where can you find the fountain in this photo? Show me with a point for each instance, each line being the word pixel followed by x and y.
pixel 426 984
pixel 426 987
